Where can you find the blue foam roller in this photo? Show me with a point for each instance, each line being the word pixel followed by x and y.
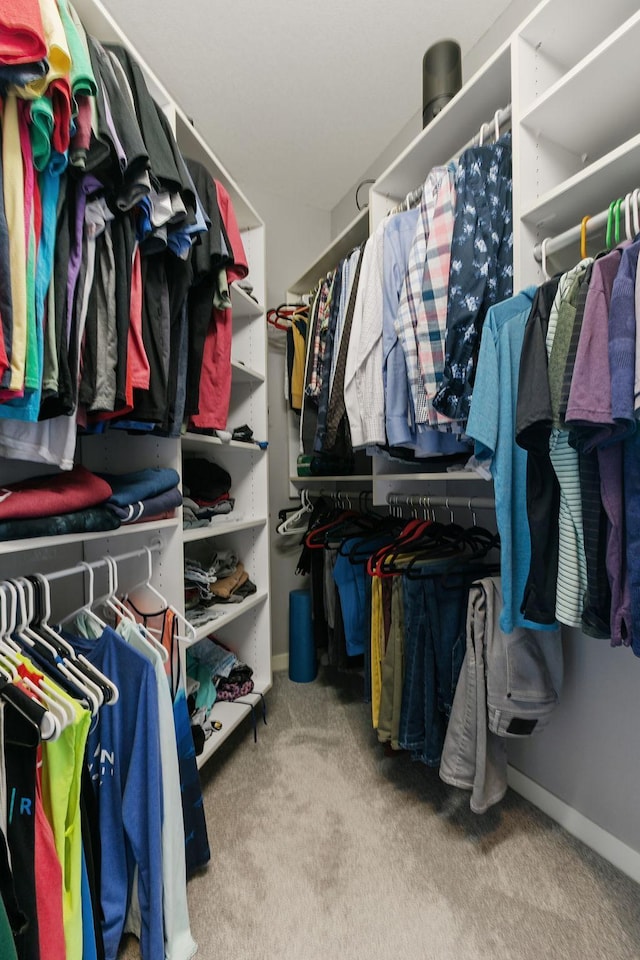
pixel 303 666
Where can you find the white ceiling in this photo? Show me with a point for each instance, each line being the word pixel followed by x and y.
pixel 298 97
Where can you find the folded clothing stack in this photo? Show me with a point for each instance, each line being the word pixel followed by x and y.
pixel 214 673
pixel 143 495
pixel 55 504
pixel 223 579
pixel 206 487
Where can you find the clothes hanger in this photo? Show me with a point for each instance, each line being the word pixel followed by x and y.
pixel 635 196
pixel 628 227
pixel 583 237
pixel 96 688
pixel 190 634
pixel 543 254
pixel 56 716
pixel 32 638
pixel 114 603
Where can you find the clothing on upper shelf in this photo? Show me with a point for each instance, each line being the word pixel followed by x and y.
pixel 104 261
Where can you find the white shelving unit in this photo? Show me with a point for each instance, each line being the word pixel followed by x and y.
pixel 245 627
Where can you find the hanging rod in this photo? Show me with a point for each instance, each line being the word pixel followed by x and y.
pixel 501 121
pixel 469 503
pixel 573 234
pixel 96 564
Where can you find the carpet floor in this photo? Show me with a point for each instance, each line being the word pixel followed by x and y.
pixel 323 848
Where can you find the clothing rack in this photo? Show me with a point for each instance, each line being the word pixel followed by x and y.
pixel 501 121
pixel 96 564
pixel 450 503
pixel 591 225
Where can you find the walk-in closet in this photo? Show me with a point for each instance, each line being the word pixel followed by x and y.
pixel 319 509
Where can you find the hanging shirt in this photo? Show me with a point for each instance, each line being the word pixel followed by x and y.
pixel 124 762
pixel 363 388
pixel 491 424
pixel 179 944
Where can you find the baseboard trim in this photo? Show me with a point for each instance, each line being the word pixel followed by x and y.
pixel 279 662
pixel 623 857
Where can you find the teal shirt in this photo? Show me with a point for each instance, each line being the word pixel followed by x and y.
pixel 492 425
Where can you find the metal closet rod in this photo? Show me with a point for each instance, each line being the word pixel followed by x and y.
pixel 574 234
pixel 570 236
pixel 469 503
pixel 96 564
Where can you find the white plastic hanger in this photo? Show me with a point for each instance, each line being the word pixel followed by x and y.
pixel 296 522
pixel 146 584
pixel 635 196
pixel 114 603
pixel 543 254
pixel 91 691
pixel 628 228
pixel 55 717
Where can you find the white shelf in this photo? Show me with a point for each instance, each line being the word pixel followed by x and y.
pixel 40 543
pixel 589 191
pixel 579 112
pixel 455 475
pixel 193 145
pixel 196 441
pixel 243 306
pixel 549 25
pixel 233 612
pixel 487 91
pixel 304 481
pixel 245 374
pixel 218 528
pixel 352 235
pixel 231 714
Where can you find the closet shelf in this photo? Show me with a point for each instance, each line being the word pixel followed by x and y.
pixel 578 112
pixel 487 91
pixel 39 543
pixel 465 475
pixel 230 714
pixel 245 374
pixel 548 27
pixel 234 611
pixel 221 527
pixel 196 441
pixel 589 190
pixel 243 306
pixel 306 481
pixel 352 235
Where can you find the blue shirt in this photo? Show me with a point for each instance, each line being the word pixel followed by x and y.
pixel 123 753
pixel 492 425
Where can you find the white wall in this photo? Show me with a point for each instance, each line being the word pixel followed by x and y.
pixel 296 235
pixel 346 209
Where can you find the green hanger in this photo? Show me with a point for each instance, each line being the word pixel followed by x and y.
pixel 610 218
pixel 618 206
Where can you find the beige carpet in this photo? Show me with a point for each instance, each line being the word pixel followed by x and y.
pixel 325 849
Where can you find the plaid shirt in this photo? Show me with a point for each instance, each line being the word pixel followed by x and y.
pixel 432 330
pixel 412 322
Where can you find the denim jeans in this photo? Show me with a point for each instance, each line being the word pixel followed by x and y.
pixel 434 619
